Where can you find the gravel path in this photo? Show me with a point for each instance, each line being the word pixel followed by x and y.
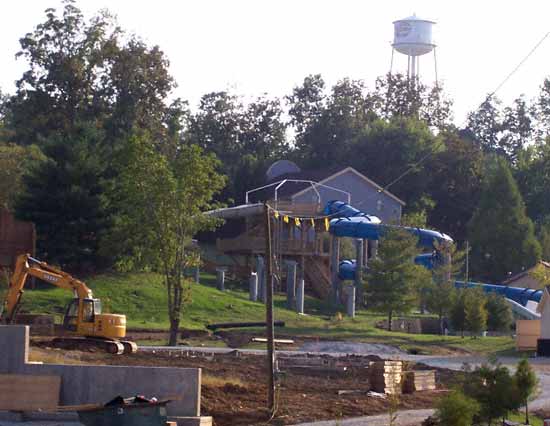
pixel 404 418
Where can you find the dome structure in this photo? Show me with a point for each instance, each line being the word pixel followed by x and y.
pixel 280 168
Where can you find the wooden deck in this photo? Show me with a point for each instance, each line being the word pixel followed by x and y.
pixel 245 244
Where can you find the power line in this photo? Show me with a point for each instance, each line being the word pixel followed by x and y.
pixel 490 95
pixel 518 66
pixel 411 168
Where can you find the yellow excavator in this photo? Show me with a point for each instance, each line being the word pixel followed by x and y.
pixel 87 327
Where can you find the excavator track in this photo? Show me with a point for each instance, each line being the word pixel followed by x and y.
pixel 129 347
pixel 89 343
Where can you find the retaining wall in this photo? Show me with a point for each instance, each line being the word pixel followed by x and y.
pixel 91 384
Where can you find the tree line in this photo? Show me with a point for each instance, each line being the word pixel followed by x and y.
pixel 92 93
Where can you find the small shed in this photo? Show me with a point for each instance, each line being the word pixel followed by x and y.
pixel 16 237
pixel 526 279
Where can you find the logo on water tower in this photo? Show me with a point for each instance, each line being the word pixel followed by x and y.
pixel 402 29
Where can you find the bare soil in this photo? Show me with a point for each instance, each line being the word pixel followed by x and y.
pixel 234 389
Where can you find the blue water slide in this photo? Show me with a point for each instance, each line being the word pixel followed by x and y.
pixel 349 222
pixel 427 260
pixel 347 267
pixel 517 294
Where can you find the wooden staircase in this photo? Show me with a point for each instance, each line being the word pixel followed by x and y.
pixel 318 276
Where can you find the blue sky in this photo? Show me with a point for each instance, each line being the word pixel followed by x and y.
pixel 257 46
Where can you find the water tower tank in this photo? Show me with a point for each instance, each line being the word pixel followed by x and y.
pixel 413 36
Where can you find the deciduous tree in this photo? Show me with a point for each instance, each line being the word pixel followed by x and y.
pixel 15 162
pixel 83 70
pixel 158 208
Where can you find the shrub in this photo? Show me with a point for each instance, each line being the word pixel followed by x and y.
pixel 456 409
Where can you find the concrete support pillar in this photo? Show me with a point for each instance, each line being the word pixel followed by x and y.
pixel 300 296
pixel 220 278
pixel 253 286
pixel 334 265
pixel 197 270
pixel 359 257
pixel 290 284
pixel 447 264
pixel 350 301
pixel 365 252
pixel 373 249
pixel 260 270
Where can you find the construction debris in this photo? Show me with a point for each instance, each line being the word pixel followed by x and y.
pixel 376 394
pixel 280 341
pixel 351 392
pixel 242 325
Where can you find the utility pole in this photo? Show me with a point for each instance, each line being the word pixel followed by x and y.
pixel 269 314
pixel 467 260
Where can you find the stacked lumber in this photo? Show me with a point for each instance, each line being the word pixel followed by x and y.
pixel 385 376
pixel 418 380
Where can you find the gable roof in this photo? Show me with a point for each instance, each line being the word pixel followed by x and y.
pixel 526 272
pixel 360 175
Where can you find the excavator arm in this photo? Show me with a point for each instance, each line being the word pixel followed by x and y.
pixel 83 318
pixel 25 266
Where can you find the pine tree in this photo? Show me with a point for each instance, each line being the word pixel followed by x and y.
pixel 501 235
pixel 458 312
pixel 63 196
pixel 442 293
pixel 499 313
pixel 393 278
pixel 474 310
pixel 526 382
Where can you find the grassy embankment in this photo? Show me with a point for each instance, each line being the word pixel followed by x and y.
pixel 142 297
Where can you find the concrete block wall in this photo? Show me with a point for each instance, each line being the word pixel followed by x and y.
pixel 89 384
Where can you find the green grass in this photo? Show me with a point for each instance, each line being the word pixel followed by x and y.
pixel 142 298
pixel 520 417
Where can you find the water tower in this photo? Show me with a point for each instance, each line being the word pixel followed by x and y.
pixel 413 37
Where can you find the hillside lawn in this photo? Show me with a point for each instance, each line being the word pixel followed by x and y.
pixel 142 298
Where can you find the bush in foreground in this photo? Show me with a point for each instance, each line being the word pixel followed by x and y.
pixel 456 409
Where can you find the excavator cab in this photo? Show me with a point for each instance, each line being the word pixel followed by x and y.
pixel 90 308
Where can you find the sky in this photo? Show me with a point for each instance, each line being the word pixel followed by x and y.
pixel 252 47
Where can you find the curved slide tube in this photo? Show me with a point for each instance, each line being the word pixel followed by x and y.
pixel 522 311
pixel 346 269
pixel 350 222
pixel 517 294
